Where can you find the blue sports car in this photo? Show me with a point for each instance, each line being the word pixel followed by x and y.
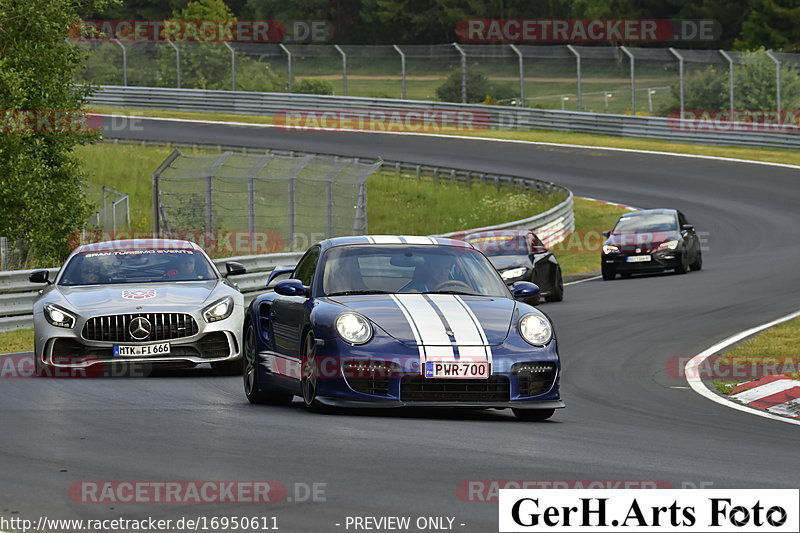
pixel 389 321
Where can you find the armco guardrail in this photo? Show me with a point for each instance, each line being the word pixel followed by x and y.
pixel 480 116
pixel 17 294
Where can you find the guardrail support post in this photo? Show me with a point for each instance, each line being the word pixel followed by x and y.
pixel 730 83
pixel 288 65
pixel 777 84
pixel 521 74
pixel 233 65
pixel 344 68
pixel 633 78
pixel 402 71
pixel 463 73
pixel 578 76
pixel 177 63
pixel 124 62
pixel 680 83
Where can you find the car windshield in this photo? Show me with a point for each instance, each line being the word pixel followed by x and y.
pixel 494 245
pixel 136 266
pixel 645 223
pixel 365 269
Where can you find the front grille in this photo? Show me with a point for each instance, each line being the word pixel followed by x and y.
pixel 534 378
pixel 370 377
pixel 163 326
pixel 420 389
pixel 214 345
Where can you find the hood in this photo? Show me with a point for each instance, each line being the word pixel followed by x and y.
pixel 644 241
pixel 473 320
pixel 128 296
pixel 503 262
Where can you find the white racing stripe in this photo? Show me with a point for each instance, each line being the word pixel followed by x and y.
pixel 468 333
pixel 412 325
pixel 385 239
pixel 419 240
pixel 431 329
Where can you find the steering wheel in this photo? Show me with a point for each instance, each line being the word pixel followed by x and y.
pixel 454 284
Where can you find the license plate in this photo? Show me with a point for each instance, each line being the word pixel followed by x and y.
pixel 638 258
pixel 141 350
pixel 457 369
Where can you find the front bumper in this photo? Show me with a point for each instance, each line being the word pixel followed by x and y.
pixel 393 404
pixel 659 261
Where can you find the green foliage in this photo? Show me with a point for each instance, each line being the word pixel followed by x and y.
pixel 478 88
pixel 705 89
pixel 313 86
pixel 41 199
pixel 771 24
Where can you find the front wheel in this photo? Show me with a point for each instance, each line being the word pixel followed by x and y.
pixel 309 376
pixel 608 273
pixel 683 266
pixel 533 415
pixel 698 262
pixel 252 388
pixel 557 294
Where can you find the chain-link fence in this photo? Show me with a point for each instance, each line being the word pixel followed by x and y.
pixel 284 201
pixel 609 79
pixel 113 208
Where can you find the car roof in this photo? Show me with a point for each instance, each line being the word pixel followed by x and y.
pixel 660 211
pixel 392 239
pixel 138 244
pixel 498 233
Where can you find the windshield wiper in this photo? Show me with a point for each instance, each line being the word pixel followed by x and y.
pixel 347 293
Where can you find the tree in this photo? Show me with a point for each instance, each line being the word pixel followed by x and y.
pixel 41 183
pixel 771 24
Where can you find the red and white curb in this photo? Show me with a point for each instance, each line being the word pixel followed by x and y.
pixel 777 394
pixel 692 373
pixel 623 206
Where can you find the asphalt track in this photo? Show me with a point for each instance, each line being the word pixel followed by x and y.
pixel 623 421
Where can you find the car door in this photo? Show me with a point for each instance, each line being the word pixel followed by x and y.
pixel 290 313
pixel 690 237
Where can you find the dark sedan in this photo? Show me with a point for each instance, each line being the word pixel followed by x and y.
pixel 652 240
pixel 519 255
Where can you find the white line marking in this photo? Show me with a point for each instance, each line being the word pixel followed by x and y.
pixel 700 388
pixel 756 393
pixel 581 281
pixel 489 139
pixel 686 388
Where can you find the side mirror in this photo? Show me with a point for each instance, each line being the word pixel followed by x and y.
pixel 279 271
pixel 687 227
pixel 291 287
pixel 234 268
pixel 40 276
pixel 607 233
pixel 524 289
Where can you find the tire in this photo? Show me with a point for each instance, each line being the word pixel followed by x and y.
pixel 608 273
pixel 252 388
pixel 682 267
pixel 698 262
pixel 533 415
pixel 557 294
pixel 309 379
pixel 228 368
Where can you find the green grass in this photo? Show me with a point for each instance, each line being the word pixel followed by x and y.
pixel 775 346
pixel 772 155
pixel 19 340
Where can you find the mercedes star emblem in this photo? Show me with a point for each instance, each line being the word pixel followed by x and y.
pixel 140 328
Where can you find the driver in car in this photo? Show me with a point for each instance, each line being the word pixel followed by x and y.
pixel 429 275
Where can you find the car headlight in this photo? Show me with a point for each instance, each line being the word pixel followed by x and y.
pixel 610 249
pixel 219 310
pixel 668 245
pixel 513 273
pixel 353 328
pixel 58 317
pixel 535 329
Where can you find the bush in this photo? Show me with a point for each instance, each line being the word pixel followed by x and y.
pixel 479 88
pixel 313 86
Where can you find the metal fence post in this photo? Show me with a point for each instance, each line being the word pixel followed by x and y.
pixel 633 78
pixel 177 63
pixel 233 65
pixel 730 82
pixel 344 68
pixel 680 83
pixel 402 71
pixel 124 62
pixel 156 199
pixel 777 84
pixel 288 64
pixel 578 77
pixel 521 74
pixel 463 73
pixel 3 253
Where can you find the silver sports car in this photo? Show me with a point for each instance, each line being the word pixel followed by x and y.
pixel 152 301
